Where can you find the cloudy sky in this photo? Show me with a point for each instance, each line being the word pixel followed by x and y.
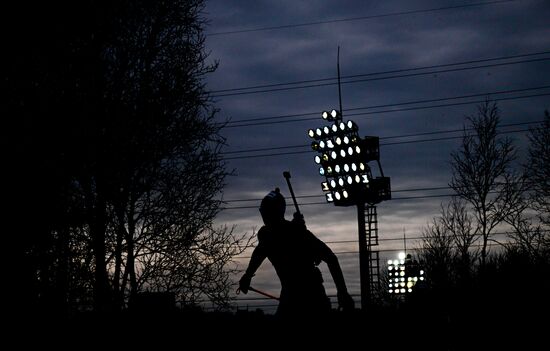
pixel 411 73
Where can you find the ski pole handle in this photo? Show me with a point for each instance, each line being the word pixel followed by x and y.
pixel 286 174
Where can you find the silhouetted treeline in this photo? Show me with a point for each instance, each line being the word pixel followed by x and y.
pixel 476 279
pixel 114 154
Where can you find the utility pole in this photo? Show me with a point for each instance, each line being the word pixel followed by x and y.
pixel 404 241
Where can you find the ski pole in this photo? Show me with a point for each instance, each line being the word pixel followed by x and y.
pixel 259 292
pixel 263 293
pixel 286 174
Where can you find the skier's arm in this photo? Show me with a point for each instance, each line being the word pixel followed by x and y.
pixel 258 256
pixel 344 299
pixel 335 270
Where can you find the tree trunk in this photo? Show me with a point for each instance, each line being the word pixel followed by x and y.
pixel 62 272
pixel 130 265
pixel 121 233
pixel 97 233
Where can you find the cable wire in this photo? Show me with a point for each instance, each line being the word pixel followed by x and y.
pixel 386 144
pixel 380 78
pixel 269 119
pixel 400 70
pixel 381 138
pixel 362 18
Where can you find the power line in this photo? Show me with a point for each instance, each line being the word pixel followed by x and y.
pixel 407 238
pixel 310 196
pixel 403 109
pixel 362 18
pixel 319 196
pixel 445 187
pixel 387 144
pixel 381 138
pixel 269 119
pixel 380 250
pixel 500 58
pixel 380 78
pixel 324 202
pixel 385 239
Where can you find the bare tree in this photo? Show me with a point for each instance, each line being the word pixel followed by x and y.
pixel 532 237
pixel 437 253
pixel 538 169
pixel 481 168
pixel 195 272
pixel 447 249
pixel 459 223
pixel 163 196
pixel 113 115
pixel 529 238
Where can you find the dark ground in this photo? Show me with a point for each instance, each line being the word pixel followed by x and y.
pixel 380 328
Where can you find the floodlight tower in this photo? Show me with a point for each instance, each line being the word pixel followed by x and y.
pixel 343 158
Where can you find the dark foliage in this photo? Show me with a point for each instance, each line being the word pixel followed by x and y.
pixel 116 155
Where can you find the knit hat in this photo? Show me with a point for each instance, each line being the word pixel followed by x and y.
pixel 274 203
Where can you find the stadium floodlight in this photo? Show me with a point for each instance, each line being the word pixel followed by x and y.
pixel 333 115
pixel 346 155
pixel 404 273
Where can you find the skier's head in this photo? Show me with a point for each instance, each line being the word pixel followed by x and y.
pixel 273 207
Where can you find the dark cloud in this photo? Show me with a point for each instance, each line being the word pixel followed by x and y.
pixel 374 45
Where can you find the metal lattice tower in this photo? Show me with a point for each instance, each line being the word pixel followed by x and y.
pixel 369 260
pixel 371 233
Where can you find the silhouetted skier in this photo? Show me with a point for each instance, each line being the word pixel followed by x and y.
pixel 295 253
